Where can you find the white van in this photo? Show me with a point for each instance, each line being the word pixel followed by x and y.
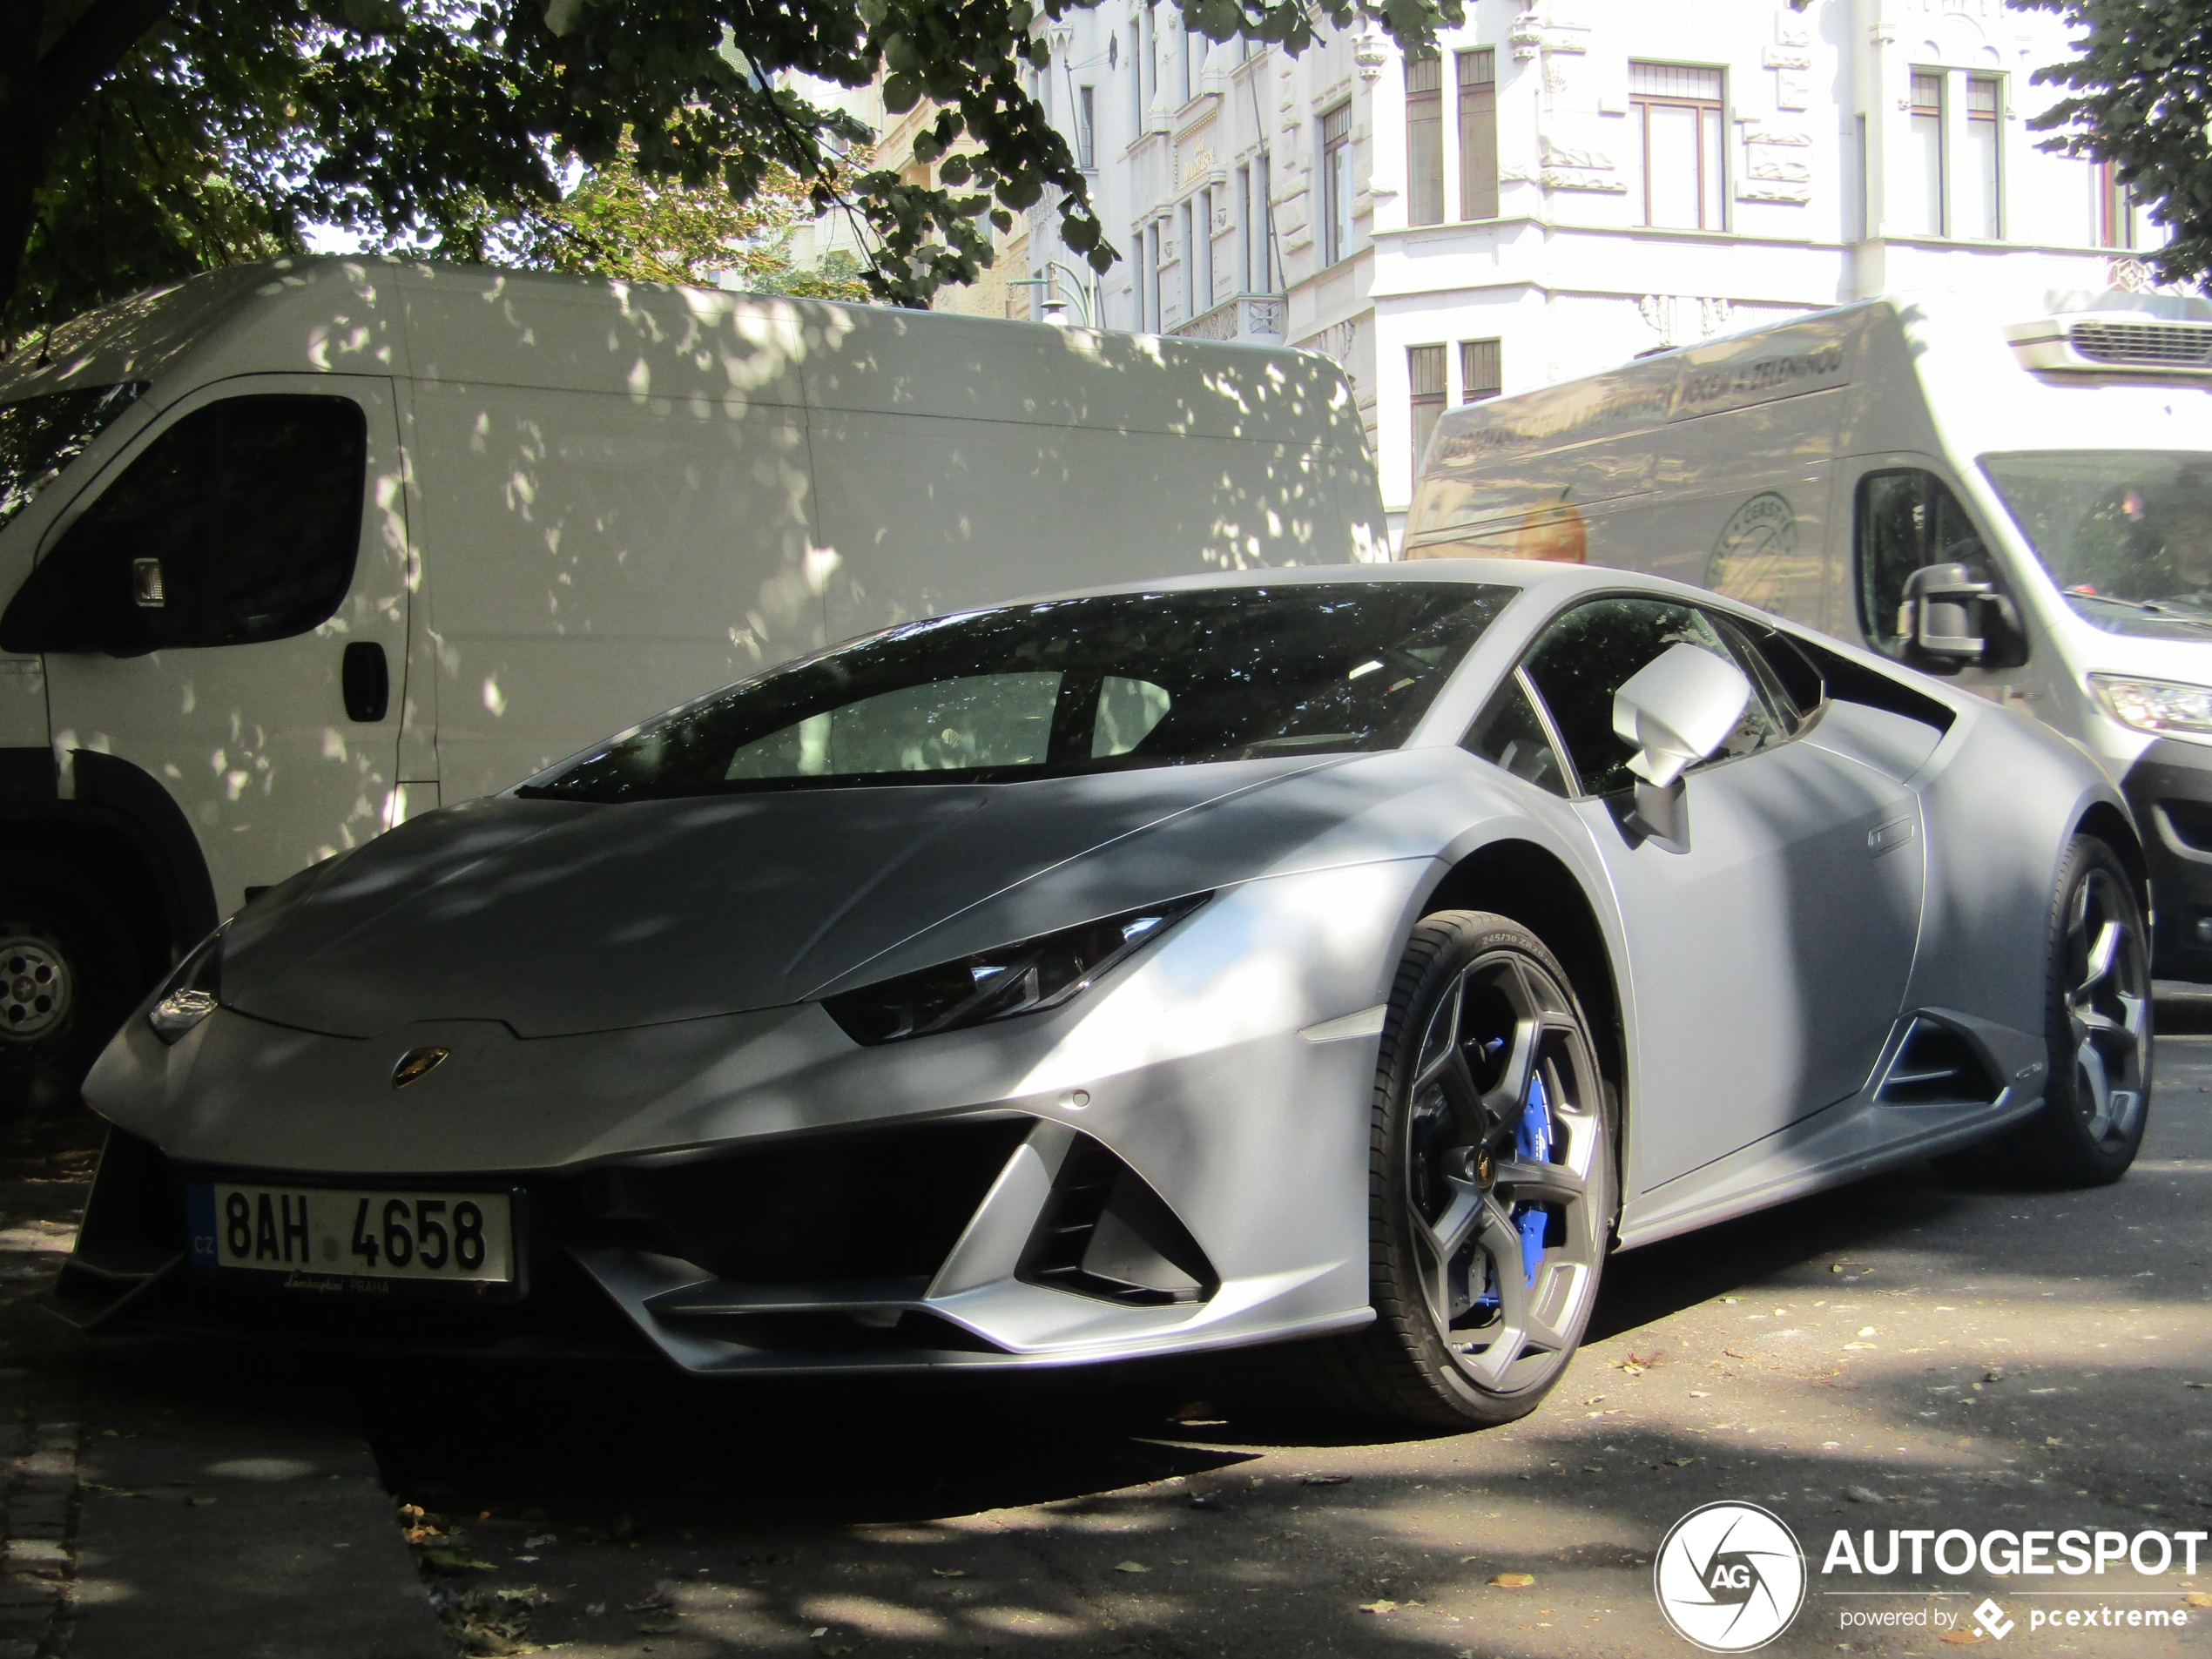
pixel 292 551
pixel 2023 503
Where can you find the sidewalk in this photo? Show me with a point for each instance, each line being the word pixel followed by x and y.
pixel 172 1503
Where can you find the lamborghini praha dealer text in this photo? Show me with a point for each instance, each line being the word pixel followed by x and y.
pixel 1345 960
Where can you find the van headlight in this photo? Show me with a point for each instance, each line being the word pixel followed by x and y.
pixel 191 992
pixel 2154 705
pixel 1047 971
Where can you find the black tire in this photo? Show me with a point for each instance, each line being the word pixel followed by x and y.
pixel 71 969
pixel 1486 990
pixel 2097 1025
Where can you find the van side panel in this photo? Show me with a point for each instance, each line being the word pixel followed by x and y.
pixel 592 559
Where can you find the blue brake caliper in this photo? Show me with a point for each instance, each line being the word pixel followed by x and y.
pixel 1532 1144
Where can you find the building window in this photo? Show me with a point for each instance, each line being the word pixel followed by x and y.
pixel 1194 63
pixel 1980 192
pixel 1147 60
pixel 1087 128
pixel 1201 249
pixel 1920 209
pixel 1135 82
pixel 1263 261
pixel 1424 369
pixel 1481 369
pixel 2115 207
pixel 1335 184
pixel 1244 204
pixel 1677 115
pixel 1152 276
pixel 1477 75
pixel 1424 139
pixel 1858 217
pixel 1189 261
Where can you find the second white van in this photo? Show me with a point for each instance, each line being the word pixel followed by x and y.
pixel 2022 503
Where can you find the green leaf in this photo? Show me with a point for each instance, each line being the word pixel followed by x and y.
pixel 900 93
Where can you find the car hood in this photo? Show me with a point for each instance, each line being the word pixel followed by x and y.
pixel 559 917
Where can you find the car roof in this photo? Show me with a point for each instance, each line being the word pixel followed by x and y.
pixel 1543 577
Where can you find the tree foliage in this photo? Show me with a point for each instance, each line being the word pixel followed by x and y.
pixel 2140 97
pixel 139 139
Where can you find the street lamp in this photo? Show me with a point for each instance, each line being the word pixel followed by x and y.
pixel 1056 306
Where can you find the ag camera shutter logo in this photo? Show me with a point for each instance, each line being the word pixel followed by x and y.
pixel 1730 1577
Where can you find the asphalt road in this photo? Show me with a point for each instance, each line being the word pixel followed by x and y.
pixel 1906 1354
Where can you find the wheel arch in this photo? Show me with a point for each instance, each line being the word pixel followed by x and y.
pixel 2111 826
pixel 124 831
pixel 1532 885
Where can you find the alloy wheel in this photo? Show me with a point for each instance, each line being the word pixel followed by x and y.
pixel 2108 1006
pixel 1505 1128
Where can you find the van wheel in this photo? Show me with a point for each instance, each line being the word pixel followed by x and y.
pixel 1491 1184
pixel 69 972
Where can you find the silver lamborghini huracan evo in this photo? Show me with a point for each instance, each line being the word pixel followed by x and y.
pixel 1347 957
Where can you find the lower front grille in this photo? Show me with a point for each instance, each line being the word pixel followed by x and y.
pixel 1106 1233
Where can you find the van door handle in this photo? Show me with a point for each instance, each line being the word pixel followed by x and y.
pixel 366 682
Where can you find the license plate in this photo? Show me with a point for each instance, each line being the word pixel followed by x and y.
pixel 335 1234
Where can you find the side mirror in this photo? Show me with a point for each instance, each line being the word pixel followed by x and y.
pixel 1948 617
pixel 1677 710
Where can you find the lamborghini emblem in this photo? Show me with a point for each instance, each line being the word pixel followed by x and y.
pixel 416 1064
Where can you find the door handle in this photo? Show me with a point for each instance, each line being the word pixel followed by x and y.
pixel 366 682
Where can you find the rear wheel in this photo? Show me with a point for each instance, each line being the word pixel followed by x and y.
pixel 2097 1021
pixel 70 971
pixel 1491 1184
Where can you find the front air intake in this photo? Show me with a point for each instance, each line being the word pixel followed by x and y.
pixel 1106 1233
pixel 2109 344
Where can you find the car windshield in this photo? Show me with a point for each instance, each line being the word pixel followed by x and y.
pixel 2117 529
pixel 1108 683
pixel 40 435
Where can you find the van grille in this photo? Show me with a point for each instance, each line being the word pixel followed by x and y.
pixel 2144 345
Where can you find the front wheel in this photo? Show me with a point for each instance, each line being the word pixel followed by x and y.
pixel 2097 1021
pixel 70 971
pixel 1491 1184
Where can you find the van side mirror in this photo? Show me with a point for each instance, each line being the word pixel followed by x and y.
pixel 1948 617
pixel 94 592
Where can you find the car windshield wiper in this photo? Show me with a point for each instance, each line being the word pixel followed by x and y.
pixel 2154 607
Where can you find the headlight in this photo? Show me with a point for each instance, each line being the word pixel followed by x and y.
pixel 1024 978
pixel 191 994
pixel 2154 705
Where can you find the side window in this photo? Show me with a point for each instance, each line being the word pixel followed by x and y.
pixel 1510 734
pixel 239 524
pixel 944 725
pixel 1907 519
pixel 1128 710
pixel 1589 653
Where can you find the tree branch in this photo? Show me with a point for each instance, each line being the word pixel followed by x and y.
pixel 88 49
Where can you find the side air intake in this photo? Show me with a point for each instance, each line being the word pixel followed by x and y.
pixel 1938 1065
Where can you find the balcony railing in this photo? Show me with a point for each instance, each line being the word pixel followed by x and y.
pixel 1248 316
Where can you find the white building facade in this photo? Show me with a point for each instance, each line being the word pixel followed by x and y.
pixel 1562 185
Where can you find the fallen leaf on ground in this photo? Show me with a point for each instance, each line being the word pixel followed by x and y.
pixel 1862 1495
pixel 451 1561
pixel 1962 1638
pixel 1383 1606
pixel 2197 1598
pixel 950 1572
pixel 658 1628
pixel 1131 1566
pixel 1326 1479
pixel 1513 1581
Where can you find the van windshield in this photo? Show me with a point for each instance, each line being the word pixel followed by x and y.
pixel 1108 683
pixel 2119 530
pixel 40 435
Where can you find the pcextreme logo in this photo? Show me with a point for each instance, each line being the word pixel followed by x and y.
pixel 1730 1577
